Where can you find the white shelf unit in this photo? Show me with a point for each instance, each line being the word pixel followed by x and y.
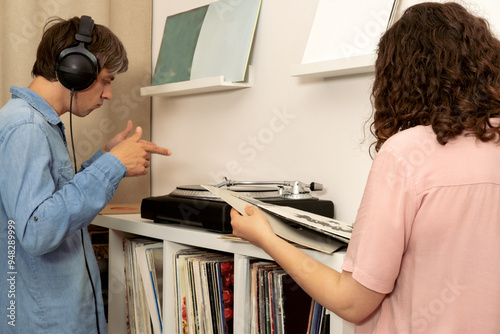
pixel 177 237
pixel 196 86
pixel 335 67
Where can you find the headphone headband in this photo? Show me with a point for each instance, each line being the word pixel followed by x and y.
pixel 85 29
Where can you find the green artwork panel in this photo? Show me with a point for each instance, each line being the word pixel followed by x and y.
pixel 178 45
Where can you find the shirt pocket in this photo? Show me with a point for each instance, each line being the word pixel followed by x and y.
pixel 66 174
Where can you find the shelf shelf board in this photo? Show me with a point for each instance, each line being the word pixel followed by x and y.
pixel 188 235
pixel 335 67
pixel 196 86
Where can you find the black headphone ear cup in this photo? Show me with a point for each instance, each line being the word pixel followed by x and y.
pixel 77 68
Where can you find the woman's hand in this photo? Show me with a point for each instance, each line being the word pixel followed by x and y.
pixel 254 228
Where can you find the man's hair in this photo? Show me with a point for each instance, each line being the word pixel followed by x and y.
pixel 60 34
pixel 438 65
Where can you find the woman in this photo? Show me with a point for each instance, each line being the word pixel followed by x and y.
pixel 423 257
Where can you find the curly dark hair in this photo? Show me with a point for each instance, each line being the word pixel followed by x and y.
pixel 60 34
pixel 438 65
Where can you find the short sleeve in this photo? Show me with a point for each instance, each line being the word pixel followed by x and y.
pixel 383 223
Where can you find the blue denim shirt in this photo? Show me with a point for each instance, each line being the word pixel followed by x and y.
pixel 44 206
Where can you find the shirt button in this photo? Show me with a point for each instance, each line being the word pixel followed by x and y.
pixel 35 218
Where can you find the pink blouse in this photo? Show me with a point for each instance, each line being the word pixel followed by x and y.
pixel 427 234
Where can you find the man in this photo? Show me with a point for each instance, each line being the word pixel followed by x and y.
pixel 50 280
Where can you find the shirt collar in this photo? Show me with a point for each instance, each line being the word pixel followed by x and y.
pixel 37 102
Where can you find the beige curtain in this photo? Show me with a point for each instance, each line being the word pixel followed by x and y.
pixel 21 26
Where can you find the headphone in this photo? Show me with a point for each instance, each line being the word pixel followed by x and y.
pixel 77 67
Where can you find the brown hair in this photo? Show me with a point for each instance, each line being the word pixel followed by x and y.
pixel 438 65
pixel 60 34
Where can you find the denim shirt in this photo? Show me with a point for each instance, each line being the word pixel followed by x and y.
pixel 44 207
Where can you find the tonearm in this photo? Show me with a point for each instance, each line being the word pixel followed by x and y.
pixel 287 189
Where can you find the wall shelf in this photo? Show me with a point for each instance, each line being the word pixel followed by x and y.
pixel 335 67
pixel 176 237
pixel 196 86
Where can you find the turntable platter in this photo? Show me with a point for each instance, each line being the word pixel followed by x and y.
pixel 197 191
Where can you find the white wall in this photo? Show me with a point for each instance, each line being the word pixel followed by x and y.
pixel 319 140
pixel 239 135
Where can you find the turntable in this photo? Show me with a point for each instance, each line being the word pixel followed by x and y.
pixel 195 206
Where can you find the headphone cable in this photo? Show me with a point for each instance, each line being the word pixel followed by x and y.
pixel 83 244
pixel 71 128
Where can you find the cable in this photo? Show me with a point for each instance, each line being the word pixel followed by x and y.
pixel 83 243
pixel 91 283
pixel 71 128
